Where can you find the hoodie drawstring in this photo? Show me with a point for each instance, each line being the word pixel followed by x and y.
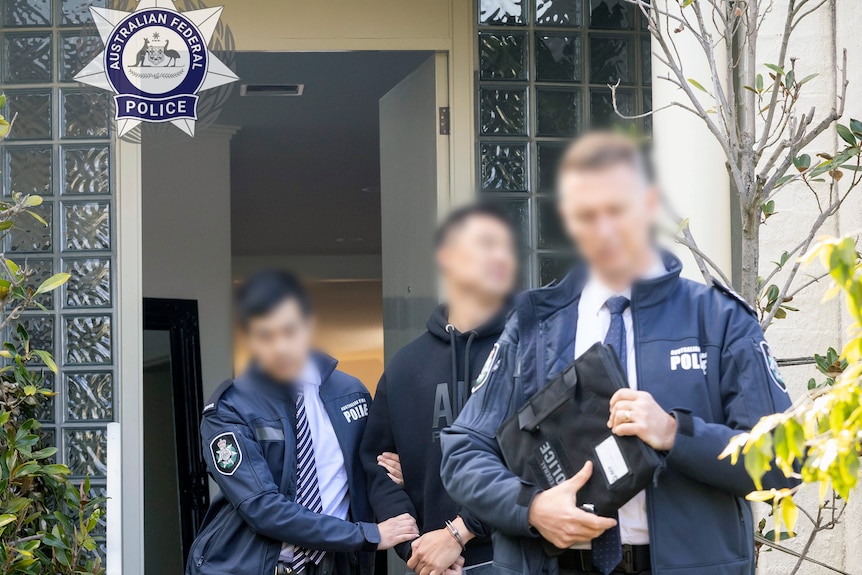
pixel 453 351
pixel 468 383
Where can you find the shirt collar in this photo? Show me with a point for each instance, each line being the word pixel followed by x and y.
pixel 310 374
pixel 595 294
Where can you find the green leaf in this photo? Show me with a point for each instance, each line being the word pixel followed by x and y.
pixel 802 162
pixel 7 518
pixel 784 179
pixel 777 69
pixel 33 201
pixel 697 85
pixel 56 469
pixel 37 217
pixel 788 80
pixel 807 79
pixel 856 126
pixel 46 358
pixel 846 134
pixel 44 453
pixel 758 82
pixel 53 283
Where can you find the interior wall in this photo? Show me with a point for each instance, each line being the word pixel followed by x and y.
pixel 186 237
pixel 349 327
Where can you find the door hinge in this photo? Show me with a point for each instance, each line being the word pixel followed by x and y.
pixel 444 121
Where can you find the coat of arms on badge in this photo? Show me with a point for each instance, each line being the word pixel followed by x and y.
pixel 156 62
pixel 227 455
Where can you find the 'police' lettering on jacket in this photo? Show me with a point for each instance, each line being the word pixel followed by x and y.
pixel 355 410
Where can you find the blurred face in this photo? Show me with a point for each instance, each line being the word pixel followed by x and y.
pixel 280 341
pixel 479 257
pixel 610 214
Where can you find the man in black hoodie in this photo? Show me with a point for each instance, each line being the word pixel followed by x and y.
pixel 423 390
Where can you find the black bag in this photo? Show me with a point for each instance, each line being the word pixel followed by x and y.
pixel 565 424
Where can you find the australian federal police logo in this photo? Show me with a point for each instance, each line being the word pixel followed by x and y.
pixel 226 453
pixel 156 61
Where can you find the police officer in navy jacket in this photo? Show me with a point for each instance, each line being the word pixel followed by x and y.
pixel 282 443
pixel 699 369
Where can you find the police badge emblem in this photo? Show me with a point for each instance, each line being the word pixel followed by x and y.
pixel 226 453
pixel 156 61
pixel 489 367
pixel 772 366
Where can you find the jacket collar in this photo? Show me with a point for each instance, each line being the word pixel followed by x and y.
pixel 324 363
pixel 645 293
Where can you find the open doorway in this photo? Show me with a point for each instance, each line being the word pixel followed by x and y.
pixel 323 163
pixel 306 186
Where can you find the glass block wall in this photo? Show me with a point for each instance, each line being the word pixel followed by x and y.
pixel 544 70
pixel 61 148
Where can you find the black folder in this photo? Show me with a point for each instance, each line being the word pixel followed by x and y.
pixel 565 424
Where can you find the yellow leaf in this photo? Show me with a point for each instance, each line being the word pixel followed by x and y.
pixel 763 495
pixel 789 514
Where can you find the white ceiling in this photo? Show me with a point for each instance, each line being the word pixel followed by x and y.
pixel 305 171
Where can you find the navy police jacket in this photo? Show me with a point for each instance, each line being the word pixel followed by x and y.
pixel 249 444
pixel 700 353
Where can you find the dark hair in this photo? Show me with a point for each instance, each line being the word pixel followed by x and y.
pixel 462 215
pixel 263 291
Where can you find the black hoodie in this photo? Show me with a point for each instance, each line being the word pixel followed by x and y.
pixel 415 400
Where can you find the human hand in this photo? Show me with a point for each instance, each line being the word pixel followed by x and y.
pixel 391 462
pixel 457 568
pixel 637 413
pixel 556 515
pixel 434 553
pixel 397 530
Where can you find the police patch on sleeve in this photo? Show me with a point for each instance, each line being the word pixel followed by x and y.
pixel 772 366
pixel 487 369
pixel 226 453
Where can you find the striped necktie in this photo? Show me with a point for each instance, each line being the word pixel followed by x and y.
pixel 307 489
pixel 607 547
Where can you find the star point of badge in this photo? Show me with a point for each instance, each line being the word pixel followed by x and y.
pixel 202 23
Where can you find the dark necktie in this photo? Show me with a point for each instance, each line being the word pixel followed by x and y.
pixel 607 548
pixel 307 488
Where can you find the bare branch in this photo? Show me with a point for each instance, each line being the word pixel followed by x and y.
pixel 645 114
pixel 782 55
pixel 703 261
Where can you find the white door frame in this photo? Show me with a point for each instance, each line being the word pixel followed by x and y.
pixel 456 184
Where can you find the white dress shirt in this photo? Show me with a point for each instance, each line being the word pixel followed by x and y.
pixel 594 320
pixel 328 457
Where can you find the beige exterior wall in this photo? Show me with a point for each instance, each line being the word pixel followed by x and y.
pixel 692 170
pixel 818 43
pixel 693 177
